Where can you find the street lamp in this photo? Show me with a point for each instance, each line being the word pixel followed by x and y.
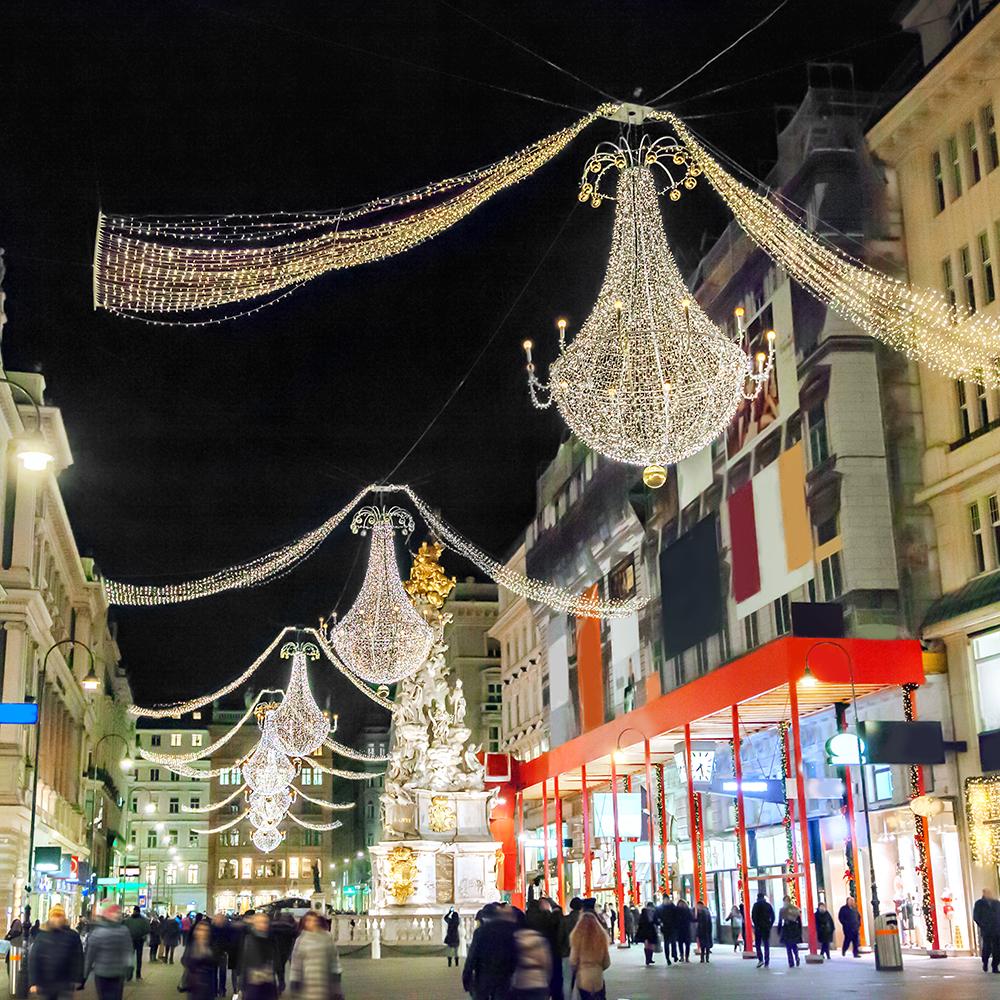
pixel 31 449
pixel 125 764
pixel 861 767
pixel 39 694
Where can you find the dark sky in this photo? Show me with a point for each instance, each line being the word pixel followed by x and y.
pixel 198 448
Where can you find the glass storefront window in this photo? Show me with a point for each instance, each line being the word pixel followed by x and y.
pixel 986 653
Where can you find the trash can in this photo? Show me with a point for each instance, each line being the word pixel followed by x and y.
pixel 888 950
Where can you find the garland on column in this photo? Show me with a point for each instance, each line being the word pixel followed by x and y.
pixel 849 875
pixel 661 816
pixel 922 838
pixel 790 867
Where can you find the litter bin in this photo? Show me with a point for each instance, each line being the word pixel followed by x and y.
pixel 888 950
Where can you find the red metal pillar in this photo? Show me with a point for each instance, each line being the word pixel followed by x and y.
pixel 923 828
pixel 664 840
pixel 545 835
pixel 619 886
pixel 853 833
pixel 585 810
pixel 692 813
pixel 522 875
pixel 802 813
pixel 560 874
pixel 650 825
pixel 741 833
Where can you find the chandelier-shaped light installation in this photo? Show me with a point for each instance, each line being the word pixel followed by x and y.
pixel 266 838
pixel 382 638
pixel 268 769
pixel 300 723
pixel 649 379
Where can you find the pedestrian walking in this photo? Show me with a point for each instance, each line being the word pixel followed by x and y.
pixel 631 922
pixel 489 965
pixel 612 914
pixel 646 933
pixel 219 934
pixel 186 925
pixel 682 930
pixel 790 930
pixel 451 925
pixel 138 927
pixel 109 954
pixel 589 957
pixel 850 923
pixel 533 970
pixel 55 961
pixel 154 937
pixel 986 914
pixel 258 977
pixel 762 918
pixel 314 970
pixel 200 977
pixel 824 929
pixel 703 927
pixel 666 918
pixel 735 919
pixel 283 933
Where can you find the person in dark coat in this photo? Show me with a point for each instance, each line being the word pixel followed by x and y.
pixel 824 929
pixel 170 935
pixel 546 918
pixel 666 918
pixel 451 924
pixel 631 922
pixel 154 938
pixel 762 918
pixel 790 931
pixel 492 958
pixel 220 934
pixel 682 930
pixel 850 923
pixel 55 961
pixel 703 926
pixel 283 933
pixel 646 933
pixel 986 914
pixel 138 926
pixel 200 967
pixel 258 976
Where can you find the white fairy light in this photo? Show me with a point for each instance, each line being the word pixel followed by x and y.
pixel 321 827
pixel 215 806
pixel 649 379
pixel 299 721
pixel 268 769
pixel 351 754
pixel 266 839
pixel 382 638
pixel 333 806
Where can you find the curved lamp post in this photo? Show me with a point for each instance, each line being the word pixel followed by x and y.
pixel 32 451
pixel 125 764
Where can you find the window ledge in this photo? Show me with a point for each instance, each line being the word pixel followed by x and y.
pixel 972 435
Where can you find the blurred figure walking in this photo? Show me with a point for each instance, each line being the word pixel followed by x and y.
pixel 55 961
pixel 762 918
pixel 138 927
pixel 790 930
pixel 703 928
pixel 200 977
pixel 589 957
pixel 109 954
pixel 314 971
pixel 258 961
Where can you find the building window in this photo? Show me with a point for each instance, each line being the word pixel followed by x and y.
pixel 986 269
pixel 193 874
pixel 151 874
pixel 246 868
pixel 175 805
pixel 174 776
pixel 493 739
pixel 990 131
pixel 955 165
pixel 193 840
pixel 994 502
pixel 195 802
pixel 312 838
pixel 293 868
pixel 151 838
pixel 833 577
pixel 227 869
pixel 494 696
pixel 782 615
pixel 949 281
pixel 982 405
pixel 968 282
pixel 196 739
pixel 978 544
pixel 819 445
pixel 196 715
pixel 154 774
pixel 938 174
pixel 234 838
pixel 175 739
pixel 170 874
pixel 154 740
pixel 621 580
pixel 172 837
pixel 975 172
pixel 964 415
pixel 986 655
pixel 750 631
pixel 882 783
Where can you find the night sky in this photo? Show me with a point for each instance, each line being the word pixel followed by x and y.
pixel 198 448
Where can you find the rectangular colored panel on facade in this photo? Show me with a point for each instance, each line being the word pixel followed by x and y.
pixel 794 514
pixel 589 671
pixel 690 588
pixel 743 535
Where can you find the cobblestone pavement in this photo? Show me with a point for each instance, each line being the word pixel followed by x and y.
pixel 415 978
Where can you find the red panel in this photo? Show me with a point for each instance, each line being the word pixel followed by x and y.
pixel 743 534
pixel 502 830
pixel 590 678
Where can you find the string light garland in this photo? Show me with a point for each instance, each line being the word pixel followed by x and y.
pixel 149 266
pixel 918 322
pixel 649 379
pixel 215 806
pixel 791 885
pixel 382 638
pixel 922 838
pixel 351 754
pixel 982 807
pixel 334 806
pixel 341 773
pixel 220 829
pixel 320 827
pixel 299 721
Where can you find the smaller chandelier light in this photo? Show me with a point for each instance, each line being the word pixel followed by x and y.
pixel 649 379
pixel 382 639
pixel 300 723
pixel 268 770
pixel 267 838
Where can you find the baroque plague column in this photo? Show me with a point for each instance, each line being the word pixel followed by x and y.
pixel 437 849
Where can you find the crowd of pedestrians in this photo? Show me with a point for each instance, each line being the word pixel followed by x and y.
pixel 261 957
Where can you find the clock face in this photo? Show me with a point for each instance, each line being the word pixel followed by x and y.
pixel 702 762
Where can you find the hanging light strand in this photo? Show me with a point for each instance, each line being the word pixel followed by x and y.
pixel 339 773
pixel 332 806
pixel 322 827
pixel 918 322
pixel 221 829
pixel 154 266
pixel 215 806
pixel 353 754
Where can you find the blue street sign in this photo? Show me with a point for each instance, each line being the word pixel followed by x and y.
pixel 19 713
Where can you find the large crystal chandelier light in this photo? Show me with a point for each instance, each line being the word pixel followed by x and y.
pixel 382 638
pixel 300 723
pixel 266 839
pixel 268 770
pixel 649 379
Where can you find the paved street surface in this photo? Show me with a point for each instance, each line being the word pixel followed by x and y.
pixel 410 978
